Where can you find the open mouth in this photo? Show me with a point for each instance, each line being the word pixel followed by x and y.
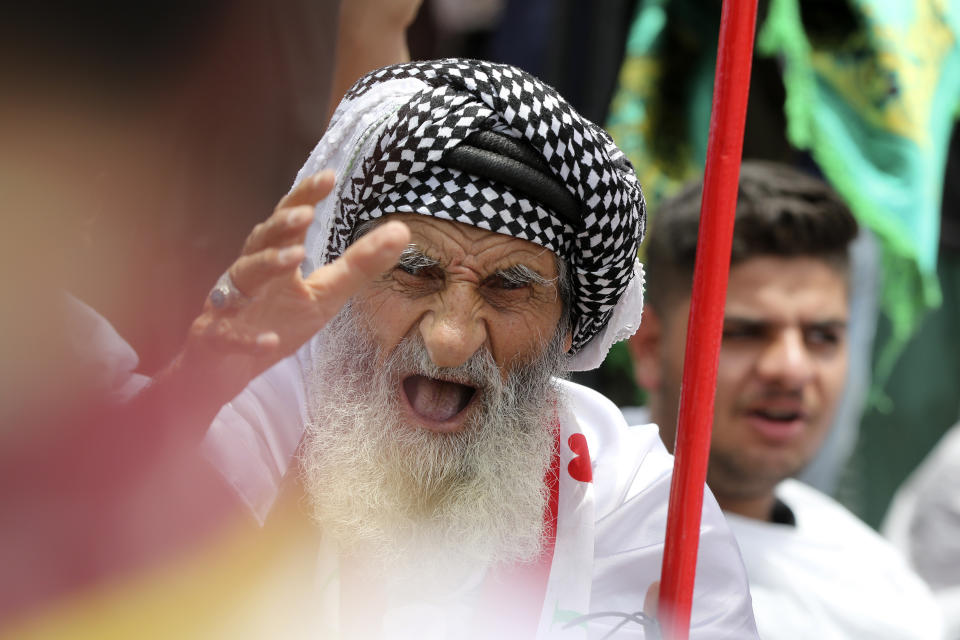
pixel 437 400
pixel 778 424
pixel 778 415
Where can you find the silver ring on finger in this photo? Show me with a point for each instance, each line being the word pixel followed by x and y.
pixel 225 294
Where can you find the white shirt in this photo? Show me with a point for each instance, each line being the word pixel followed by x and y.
pixel 830 576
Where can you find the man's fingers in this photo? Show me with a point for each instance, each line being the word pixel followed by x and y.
pixel 310 191
pixel 251 271
pixel 284 228
pixel 291 218
pixel 363 261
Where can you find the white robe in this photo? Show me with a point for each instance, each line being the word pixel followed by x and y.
pixel 610 531
pixel 830 577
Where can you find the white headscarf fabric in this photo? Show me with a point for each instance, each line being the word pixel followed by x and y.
pixel 386 142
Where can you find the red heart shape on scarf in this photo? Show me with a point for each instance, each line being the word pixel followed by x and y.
pixel 579 468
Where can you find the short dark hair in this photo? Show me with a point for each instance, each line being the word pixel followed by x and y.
pixel 781 211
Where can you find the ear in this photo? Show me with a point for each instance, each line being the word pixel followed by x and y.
pixel 644 348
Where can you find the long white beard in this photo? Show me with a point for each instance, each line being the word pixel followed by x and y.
pixel 420 503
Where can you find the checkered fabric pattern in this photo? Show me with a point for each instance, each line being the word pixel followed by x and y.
pixel 459 97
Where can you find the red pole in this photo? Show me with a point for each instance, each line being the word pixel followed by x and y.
pixel 705 328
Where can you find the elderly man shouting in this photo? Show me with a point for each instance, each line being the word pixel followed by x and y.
pixel 448 468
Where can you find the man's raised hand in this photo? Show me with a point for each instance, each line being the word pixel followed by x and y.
pixel 279 309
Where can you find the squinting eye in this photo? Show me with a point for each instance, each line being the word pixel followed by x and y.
pixel 501 282
pixel 409 269
pixel 418 279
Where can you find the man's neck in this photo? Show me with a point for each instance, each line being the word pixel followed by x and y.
pixel 756 507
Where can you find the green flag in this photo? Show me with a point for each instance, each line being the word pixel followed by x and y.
pixel 874 105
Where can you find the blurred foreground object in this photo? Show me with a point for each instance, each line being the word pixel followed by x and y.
pixel 139 145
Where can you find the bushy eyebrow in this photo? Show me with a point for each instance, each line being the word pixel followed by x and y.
pixel 521 274
pixel 756 323
pixel 835 323
pixel 413 259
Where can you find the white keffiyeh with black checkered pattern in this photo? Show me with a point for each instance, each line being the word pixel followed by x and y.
pixel 387 142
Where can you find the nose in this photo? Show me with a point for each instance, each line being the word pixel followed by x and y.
pixel 786 359
pixel 453 329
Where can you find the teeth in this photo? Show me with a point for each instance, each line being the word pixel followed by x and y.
pixel 437 400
